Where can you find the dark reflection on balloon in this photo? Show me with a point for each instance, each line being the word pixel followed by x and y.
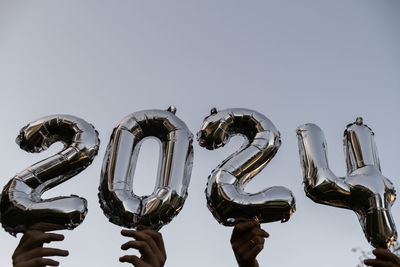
pixel 117 199
pixel 225 193
pixel 21 203
pixel 364 189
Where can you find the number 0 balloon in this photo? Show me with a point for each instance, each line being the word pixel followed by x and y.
pixel 117 199
pixel 226 197
pixel 21 204
pixel 364 189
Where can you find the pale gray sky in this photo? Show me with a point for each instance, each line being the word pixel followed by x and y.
pixel 325 62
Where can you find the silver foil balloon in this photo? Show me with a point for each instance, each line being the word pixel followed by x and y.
pixel 364 189
pixel 21 204
pixel 117 199
pixel 226 198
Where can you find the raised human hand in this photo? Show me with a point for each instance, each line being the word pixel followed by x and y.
pixel 247 241
pixel 30 251
pixel 150 245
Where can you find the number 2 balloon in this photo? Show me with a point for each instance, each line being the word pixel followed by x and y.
pixel 226 198
pixel 21 204
pixel 364 189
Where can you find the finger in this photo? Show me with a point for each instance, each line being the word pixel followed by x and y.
pixel 141 236
pixel 32 239
pixel 128 233
pixel 136 261
pixel 142 246
pixel 46 252
pixel 378 263
pixel 252 253
pixel 242 248
pixel 38 262
pixel 243 227
pixel 257 240
pixel 249 240
pixel 157 237
pixel 258 232
pixel 385 254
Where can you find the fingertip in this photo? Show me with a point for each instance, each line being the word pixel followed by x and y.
pixel 378 250
pixel 368 262
pixel 266 234
pixel 125 232
pixel 50 262
pixel 53 237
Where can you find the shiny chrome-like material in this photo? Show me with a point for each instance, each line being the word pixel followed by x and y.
pixel 21 204
pixel 226 198
pixel 364 189
pixel 116 196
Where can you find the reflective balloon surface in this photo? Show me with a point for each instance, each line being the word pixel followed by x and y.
pixel 225 193
pixel 21 203
pixel 117 199
pixel 364 189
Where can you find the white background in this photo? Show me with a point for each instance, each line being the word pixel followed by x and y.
pixel 325 62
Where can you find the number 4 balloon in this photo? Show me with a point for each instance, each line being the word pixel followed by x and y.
pixel 364 189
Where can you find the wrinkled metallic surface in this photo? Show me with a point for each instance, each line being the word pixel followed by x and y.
pixel 21 203
pixel 117 199
pixel 226 198
pixel 364 189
